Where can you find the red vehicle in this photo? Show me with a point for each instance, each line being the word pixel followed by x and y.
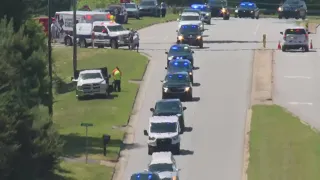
pixel 44 21
pixel 125 1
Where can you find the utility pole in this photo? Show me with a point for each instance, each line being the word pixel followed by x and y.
pixel 50 107
pixel 74 37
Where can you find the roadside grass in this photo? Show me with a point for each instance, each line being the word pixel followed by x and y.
pixel 281 147
pixel 105 114
pixel 81 171
pixel 148 21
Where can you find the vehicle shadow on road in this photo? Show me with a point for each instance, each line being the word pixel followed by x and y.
pixel 188 129
pixel 229 41
pixel 196 84
pixel 195 99
pixel 184 152
pixel 130 146
pixel 300 51
pixel 196 68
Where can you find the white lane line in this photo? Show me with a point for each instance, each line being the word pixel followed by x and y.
pixel 301 103
pixel 297 77
pixel 256 30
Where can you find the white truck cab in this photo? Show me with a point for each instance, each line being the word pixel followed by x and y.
pixel 164 134
pixel 110 34
pixel 295 38
pixel 92 82
pixel 190 18
pixel 164 164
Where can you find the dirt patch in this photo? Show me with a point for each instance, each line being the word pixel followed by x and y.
pixel 262 78
pixel 312 27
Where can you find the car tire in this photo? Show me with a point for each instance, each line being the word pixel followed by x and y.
pixel 226 17
pixel 201 45
pixel 191 78
pixel 257 17
pixel 189 97
pixel 68 41
pixel 79 98
pixel 83 43
pixel 176 149
pixel 286 17
pixel 164 96
pixel 284 49
pixel 306 49
pixel 150 150
pixel 303 17
pixel 114 44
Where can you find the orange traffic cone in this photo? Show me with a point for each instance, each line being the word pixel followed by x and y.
pixel 279 46
pixel 311 45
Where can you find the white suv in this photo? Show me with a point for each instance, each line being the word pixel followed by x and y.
pixel 295 38
pixel 164 134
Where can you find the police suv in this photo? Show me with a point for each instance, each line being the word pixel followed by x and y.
pixel 164 164
pixel 190 18
pixel 92 82
pixel 164 134
pixel 204 12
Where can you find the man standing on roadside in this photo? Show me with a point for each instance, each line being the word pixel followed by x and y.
pixel 116 73
pixel 163 9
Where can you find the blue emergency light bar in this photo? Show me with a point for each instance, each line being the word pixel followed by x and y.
pixel 196 6
pixel 246 4
pixel 180 76
pixel 186 64
pixel 192 26
pixel 149 176
pixel 174 47
pixel 176 64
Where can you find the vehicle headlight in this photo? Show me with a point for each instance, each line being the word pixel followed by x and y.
pixel 236 10
pixel 165 89
pixel 223 10
pixel 251 11
pixel 79 87
pixel 187 88
pixel 279 9
pixel 199 37
pixel 190 73
pixel 152 138
pixel 170 58
pixel 208 14
pixel 180 37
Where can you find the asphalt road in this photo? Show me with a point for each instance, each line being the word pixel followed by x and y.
pixel 296 83
pixel 214 148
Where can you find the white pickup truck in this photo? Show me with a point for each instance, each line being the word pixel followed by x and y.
pixel 92 82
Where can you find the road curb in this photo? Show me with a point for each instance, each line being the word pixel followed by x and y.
pixel 246 154
pixel 129 134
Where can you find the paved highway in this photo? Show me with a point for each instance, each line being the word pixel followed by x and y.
pixel 214 148
pixel 296 83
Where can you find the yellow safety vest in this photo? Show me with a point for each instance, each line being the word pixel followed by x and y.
pixel 117 75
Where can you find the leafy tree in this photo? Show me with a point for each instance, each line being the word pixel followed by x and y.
pixel 29 145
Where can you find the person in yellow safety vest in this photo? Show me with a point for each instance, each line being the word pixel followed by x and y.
pixel 116 73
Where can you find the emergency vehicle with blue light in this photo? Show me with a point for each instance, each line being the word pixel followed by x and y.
pixel 247 9
pixel 204 12
pixel 180 51
pixel 181 65
pixel 191 35
pixel 177 85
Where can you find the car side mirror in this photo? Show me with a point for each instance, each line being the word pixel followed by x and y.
pixel 166 52
pixel 152 109
pixel 109 76
pixel 184 108
pixel 178 169
pixel 281 33
pixel 165 68
pixel 161 81
pixel 192 51
pixel 145 132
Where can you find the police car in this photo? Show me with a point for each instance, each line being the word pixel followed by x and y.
pixel 293 9
pixel 190 18
pixel 164 164
pixel 164 134
pixel 295 38
pixel 247 9
pixel 170 107
pixel 145 176
pixel 181 65
pixel 204 11
pixel 110 34
pixel 191 35
pixel 177 85
pixel 180 51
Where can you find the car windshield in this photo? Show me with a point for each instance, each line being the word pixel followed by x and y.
pixel 178 78
pixel 128 5
pixel 295 32
pixel 144 177
pixel 200 7
pixel 167 106
pixel 292 3
pixel 167 127
pixel 191 10
pixel 189 29
pixel 179 66
pixel 98 28
pixel 147 3
pixel 161 167
pixel 179 49
pixel 90 76
pixel 190 18
pixel 116 28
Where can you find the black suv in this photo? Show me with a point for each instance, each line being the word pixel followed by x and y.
pixel 247 9
pixel 177 85
pixel 191 35
pixel 170 107
pixel 219 8
pixel 293 9
pixel 181 65
pixel 180 51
